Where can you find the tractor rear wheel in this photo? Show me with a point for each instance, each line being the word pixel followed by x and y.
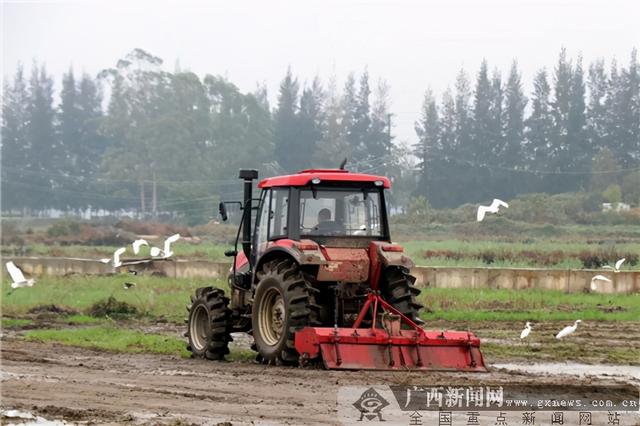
pixel 209 324
pixel 283 303
pixel 400 292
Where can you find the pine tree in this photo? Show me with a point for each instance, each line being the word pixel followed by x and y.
pixel 288 152
pixel 539 133
pixel 362 122
pixel 349 104
pixel 510 157
pixel 43 149
pixel 333 145
pixel 429 149
pixel 69 128
pixel 14 142
pixel 561 157
pixel 579 148
pixel 482 118
pixel 596 109
pixel 310 119
pixel 379 142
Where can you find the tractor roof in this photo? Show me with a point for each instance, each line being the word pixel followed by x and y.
pixel 304 177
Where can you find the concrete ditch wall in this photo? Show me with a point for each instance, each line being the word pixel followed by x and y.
pixel 436 277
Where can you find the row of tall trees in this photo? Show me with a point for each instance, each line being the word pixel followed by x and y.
pixel 495 141
pixel 137 137
pixel 172 142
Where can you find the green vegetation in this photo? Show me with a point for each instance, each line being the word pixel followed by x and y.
pixel 15 322
pixel 112 339
pixel 525 305
pixel 153 297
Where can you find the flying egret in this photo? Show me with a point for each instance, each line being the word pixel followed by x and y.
pixel 617 266
pixel 167 245
pixel 526 331
pixel 116 257
pixel 17 276
pixel 598 279
pixel 136 245
pixel 155 251
pixel 568 330
pixel 493 208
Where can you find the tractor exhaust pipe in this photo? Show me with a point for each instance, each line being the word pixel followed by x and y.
pixel 248 175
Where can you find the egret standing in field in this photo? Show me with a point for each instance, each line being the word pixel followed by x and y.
pixel 493 208
pixel 136 245
pixel 526 331
pixel 17 277
pixel 617 266
pixel 598 279
pixel 568 330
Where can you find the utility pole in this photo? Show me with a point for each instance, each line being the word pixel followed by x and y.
pixel 154 197
pixel 389 131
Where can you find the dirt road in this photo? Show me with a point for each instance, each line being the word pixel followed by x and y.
pixel 80 385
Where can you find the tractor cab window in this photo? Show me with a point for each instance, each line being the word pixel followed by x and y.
pixel 340 212
pixel 279 213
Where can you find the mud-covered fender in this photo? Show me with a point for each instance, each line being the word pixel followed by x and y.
pixel 384 254
pixel 391 254
pixel 303 252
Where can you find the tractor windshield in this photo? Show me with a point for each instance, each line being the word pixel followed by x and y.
pixel 340 212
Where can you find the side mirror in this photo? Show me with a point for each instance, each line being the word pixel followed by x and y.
pixel 223 211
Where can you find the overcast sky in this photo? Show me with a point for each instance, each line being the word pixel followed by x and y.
pixel 411 44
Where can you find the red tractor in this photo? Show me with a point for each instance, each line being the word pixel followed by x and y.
pixel 318 278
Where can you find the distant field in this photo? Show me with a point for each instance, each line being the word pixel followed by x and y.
pixel 163 298
pixel 542 254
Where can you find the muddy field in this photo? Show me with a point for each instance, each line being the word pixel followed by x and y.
pixel 87 386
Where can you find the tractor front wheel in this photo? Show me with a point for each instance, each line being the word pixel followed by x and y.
pixel 209 324
pixel 283 303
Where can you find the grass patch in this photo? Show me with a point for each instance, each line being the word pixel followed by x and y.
pixel 524 305
pixel 15 322
pixel 112 339
pixel 153 297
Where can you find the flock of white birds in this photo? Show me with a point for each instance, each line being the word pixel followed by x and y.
pixel 596 281
pixel 562 333
pixel 19 281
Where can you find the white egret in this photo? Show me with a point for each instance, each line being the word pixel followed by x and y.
pixel 598 279
pixel 17 277
pixel 155 251
pixel 116 257
pixel 136 245
pixel 526 331
pixel 568 330
pixel 493 208
pixel 617 266
pixel 166 252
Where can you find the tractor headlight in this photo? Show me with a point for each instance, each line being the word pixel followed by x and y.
pixel 315 181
